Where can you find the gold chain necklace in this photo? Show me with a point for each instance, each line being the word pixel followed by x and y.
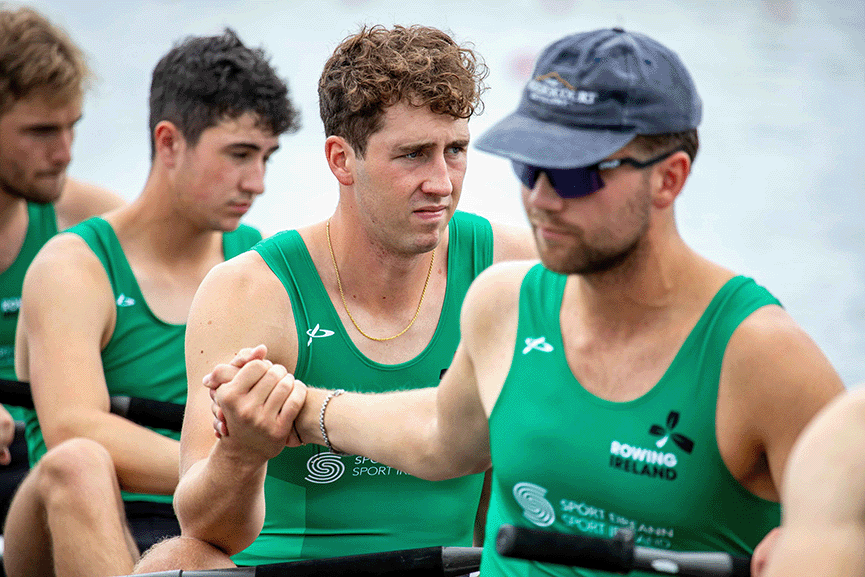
pixel 344 304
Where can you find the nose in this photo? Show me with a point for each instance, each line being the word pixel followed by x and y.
pixel 253 179
pixel 61 151
pixel 543 196
pixel 438 180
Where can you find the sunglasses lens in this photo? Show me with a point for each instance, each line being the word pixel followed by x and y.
pixel 575 182
pixel 526 173
pixel 569 183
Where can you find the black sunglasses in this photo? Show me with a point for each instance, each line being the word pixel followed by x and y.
pixel 583 181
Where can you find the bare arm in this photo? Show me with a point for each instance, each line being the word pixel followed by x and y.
pixel 81 200
pixel 220 498
pixel 67 314
pixel 434 433
pixel 774 380
pixel 824 502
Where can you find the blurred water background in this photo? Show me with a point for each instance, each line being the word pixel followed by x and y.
pixel 776 192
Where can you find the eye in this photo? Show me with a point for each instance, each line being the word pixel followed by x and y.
pixel 457 149
pixel 413 154
pixel 44 131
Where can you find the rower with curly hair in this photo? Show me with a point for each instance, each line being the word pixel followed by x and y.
pixel 369 299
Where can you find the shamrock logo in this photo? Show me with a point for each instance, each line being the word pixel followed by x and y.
pixel 666 433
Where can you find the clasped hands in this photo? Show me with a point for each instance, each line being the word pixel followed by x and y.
pixel 255 403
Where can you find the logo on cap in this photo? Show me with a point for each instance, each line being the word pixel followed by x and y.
pixel 553 90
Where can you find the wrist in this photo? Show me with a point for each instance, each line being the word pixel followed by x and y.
pixel 243 464
pixel 307 421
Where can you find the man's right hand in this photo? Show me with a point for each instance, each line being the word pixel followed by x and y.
pixel 255 403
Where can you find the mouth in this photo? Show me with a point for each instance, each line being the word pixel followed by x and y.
pixel 432 212
pixel 549 232
pixel 239 207
pixel 51 174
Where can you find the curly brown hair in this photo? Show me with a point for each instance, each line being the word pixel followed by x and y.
pixel 37 56
pixel 377 68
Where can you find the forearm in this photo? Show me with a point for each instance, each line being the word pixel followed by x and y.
pixel 398 429
pixel 144 460
pixel 220 500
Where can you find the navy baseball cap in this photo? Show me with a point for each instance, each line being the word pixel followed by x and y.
pixel 590 94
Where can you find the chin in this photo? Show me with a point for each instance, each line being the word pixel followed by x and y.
pixel 43 195
pixel 429 244
pixel 556 266
pixel 226 225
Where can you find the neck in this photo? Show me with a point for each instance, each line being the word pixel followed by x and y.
pixel 374 275
pixel 647 285
pixel 10 207
pixel 13 228
pixel 155 224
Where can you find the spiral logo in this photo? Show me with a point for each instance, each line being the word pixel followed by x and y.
pixel 324 468
pixel 535 507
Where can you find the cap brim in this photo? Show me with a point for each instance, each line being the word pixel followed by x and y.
pixel 550 145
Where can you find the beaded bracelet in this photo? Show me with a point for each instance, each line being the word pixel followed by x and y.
pixel 327 399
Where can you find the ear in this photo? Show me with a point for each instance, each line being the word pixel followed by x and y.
pixel 341 159
pixel 168 142
pixel 669 178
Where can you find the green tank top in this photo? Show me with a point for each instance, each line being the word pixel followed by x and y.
pixel 572 462
pixel 41 225
pixel 324 505
pixel 145 355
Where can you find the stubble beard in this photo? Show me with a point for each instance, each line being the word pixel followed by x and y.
pixel 31 193
pixel 605 255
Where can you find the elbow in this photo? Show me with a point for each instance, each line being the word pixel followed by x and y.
pixel 437 464
pixel 57 433
pixel 206 523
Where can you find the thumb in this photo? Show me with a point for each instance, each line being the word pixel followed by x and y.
pixel 245 355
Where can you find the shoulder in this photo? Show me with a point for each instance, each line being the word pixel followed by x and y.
pixel 80 201
pixel 508 242
pixel 771 345
pixel 513 243
pixel 242 287
pixel 241 303
pixel 776 375
pixel 493 297
pixel 65 253
pixel 245 274
pixel 66 276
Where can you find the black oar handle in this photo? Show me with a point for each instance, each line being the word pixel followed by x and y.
pixel 147 412
pixel 423 562
pixel 617 555
pixel 612 555
pixel 233 572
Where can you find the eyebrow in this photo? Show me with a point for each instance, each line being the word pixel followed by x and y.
pixel 40 125
pixel 250 146
pixel 411 147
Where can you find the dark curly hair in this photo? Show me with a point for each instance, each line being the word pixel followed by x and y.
pixel 204 80
pixel 377 68
pixel 38 57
